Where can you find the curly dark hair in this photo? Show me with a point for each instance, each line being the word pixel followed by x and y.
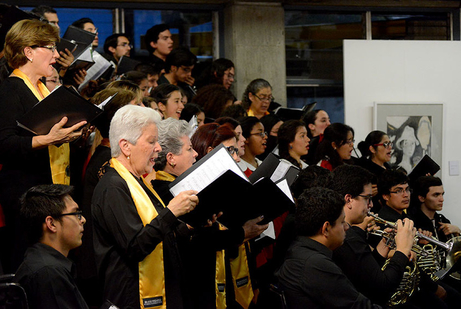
pixel 315 206
pixel 350 179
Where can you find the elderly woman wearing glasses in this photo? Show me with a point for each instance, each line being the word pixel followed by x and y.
pixel 28 159
pixel 257 98
pixel 135 232
pixel 336 146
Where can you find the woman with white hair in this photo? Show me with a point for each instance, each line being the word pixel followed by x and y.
pixel 176 157
pixel 134 232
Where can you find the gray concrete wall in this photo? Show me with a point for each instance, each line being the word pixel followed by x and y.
pixel 255 42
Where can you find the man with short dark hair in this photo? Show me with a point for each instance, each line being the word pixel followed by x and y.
pixel 54 226
pixel 179 65
pixel 116 46
pixel 429 199
pixel 47 13
pixel 309 276
pixel 393 186
pixel 159 42
pixel 359 263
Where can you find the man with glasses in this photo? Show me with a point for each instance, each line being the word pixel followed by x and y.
pixel 359 263
pixel 179 65
pixel 116 46
pixel 54 226
pixel 393 187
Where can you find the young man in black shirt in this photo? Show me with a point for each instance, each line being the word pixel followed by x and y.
pixel 308 276
pixel 54 226
pixel 359 263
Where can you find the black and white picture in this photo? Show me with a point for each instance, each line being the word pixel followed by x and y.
pixel 412 138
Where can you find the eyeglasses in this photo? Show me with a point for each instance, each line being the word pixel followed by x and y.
pixel 268 99
pixel 79 214
pixel 230 76
pixel 367 197
pixel 400 191
pixel 350 141
pixel 50 47
pixel 386 144
pixel 261 134
pixel 125 44
pixel 232 150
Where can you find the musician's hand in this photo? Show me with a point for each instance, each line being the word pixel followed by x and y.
pixel 253 229
pixel 423 242
pixel 405 236
pixel 448 228
pixel 374 190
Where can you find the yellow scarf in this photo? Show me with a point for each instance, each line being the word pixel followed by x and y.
pixel 151 271
pixel 241 278
pixel 250 113
pixel 59 156
pixel 162 175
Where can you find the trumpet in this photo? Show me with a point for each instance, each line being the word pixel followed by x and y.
pixel 446 246
pixel 430 265
pixel 390 236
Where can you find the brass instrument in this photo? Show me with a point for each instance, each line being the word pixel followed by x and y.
pixel 407 286
pixel 430 260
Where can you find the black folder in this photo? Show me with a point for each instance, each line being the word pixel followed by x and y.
pixel 126 64
pixel 61 102
pixel 268 167
pixel 424 167
pixel 286 113
pixel 81 37
pixel 239 201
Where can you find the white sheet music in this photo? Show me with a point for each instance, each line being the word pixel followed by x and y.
pixel 283 185
pixel 207 172
pixel 269 232
pixel 281 170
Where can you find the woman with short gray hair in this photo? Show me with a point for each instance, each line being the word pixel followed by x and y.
pixel 135 232
pixel 176 157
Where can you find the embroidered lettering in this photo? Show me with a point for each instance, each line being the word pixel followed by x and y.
pixel 241 282
pixel 152 302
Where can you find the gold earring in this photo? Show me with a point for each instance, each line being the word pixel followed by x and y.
pixel 172 164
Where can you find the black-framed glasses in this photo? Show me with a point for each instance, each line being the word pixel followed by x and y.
pixel 261 134
pixel 400 191
pixel 368 198
pixel 350 141
pixel 386 144
pixel 78 213
pixel 125 44
pixel 50 47
pixel 268 99
pixel 232 150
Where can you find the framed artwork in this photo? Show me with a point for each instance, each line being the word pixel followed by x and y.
pixel 414 128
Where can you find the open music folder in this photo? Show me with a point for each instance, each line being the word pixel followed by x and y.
pixel 59 103
pixel 223 187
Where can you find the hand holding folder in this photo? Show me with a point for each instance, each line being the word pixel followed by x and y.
pixel 62 102
pixel 222 187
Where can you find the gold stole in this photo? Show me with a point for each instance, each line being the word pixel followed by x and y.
pixel 151 270
pixel 241 278
pixel 161 175
pixel 220 280
pixel 59 156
